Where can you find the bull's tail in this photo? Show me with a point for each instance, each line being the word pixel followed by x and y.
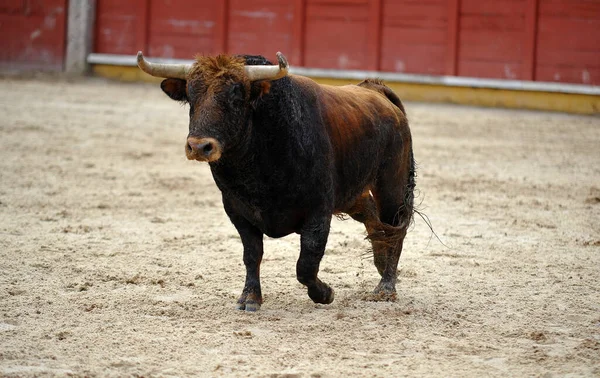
pixel 377 85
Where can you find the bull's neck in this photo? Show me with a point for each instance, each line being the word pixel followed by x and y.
pixel 256 154
pixel 239 154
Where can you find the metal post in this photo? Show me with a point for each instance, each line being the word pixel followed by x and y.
pixel 80 31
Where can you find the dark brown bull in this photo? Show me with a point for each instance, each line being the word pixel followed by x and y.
pixel 288 153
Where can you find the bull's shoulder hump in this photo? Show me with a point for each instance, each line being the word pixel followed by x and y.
pixel 304 81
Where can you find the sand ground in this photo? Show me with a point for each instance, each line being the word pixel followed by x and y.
pixel 117 259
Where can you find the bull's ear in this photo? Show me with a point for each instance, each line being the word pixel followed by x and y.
pixel 175 88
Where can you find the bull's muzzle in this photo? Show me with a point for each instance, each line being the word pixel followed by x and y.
pixel 203 149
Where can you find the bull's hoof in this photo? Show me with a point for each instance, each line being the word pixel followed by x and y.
pixel 380 296
pixel 321 294
pixel 249 306
pixel 249 302
pixel 384 292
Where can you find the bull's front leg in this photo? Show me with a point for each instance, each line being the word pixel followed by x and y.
pixel 251 297
pixel 252 240
pixel 313 239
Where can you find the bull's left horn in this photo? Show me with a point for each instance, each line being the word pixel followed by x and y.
pixel 255 73
pixel 175 71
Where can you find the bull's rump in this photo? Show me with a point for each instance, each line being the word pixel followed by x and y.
pixel 365 129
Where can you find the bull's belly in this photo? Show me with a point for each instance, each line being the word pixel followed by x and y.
pixel 279 224
pixel 275 223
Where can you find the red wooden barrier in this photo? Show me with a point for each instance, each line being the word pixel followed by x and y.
pixel 415 37
pixel 263 27
pixel 545 40
pixel 33 33
pixel 338 34
pixel 568 41
pixel 492 38
pixel 180 30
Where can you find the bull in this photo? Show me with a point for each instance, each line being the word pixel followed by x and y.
pixel 288 154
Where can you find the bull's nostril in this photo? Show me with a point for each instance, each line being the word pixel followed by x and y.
pixel 202 149
pixel 207 149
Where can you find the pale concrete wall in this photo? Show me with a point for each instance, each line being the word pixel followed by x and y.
pixel 80 33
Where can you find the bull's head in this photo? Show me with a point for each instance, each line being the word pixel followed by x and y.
pixel 218 90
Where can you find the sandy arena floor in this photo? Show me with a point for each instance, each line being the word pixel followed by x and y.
pixel 116 256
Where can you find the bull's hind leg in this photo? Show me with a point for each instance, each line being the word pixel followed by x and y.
pixel 365 211
pixel 393 194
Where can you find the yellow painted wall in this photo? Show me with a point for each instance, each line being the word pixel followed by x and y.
pixel 501 98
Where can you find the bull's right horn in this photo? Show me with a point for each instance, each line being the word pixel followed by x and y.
pixel 175 71
pixel 256 73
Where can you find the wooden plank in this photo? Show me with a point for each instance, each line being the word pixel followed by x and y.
pixel 568 34
pixel 12 6
pixel 497 22
pixel 337 35
pixel 453 17
pixel 175 18
pixel 490 69
pixel 492 39
pixel 298 30
pixel 491 46
pixel 568 42
pixel 221 35
pixel 173 21
pixel 529 46
pixel 419 15
pixel 142 25
pixel 374 36
pixel 260 28
pixel 116 30
pixel 578 75
pixel 42 7
pixel 574 59
pixel 347 12
pixel 37 39
pixel 570 8
pixel 115 36
pixel 339 2
pixel 336 44
pixel 415 36
pixel 182 47
pixel 492 7
pixel 116 7
pixel 410 58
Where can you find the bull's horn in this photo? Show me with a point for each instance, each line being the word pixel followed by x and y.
pixel 175 71
pixel 268 72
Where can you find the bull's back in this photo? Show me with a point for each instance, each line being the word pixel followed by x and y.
pixel 360 122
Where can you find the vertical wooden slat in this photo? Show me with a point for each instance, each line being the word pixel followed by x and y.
pixel 452 42
pixel 374 37
pixel 298 31
pixel 143 25
pixel 529 50
pixel 221 32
